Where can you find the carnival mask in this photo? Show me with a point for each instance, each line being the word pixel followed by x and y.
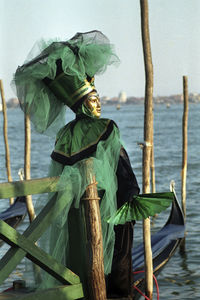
pixel 93 103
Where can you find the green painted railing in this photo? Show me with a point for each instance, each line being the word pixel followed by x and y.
pixel 24 245
pixel 28 187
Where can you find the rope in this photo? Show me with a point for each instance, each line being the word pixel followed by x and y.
pixel 92 183
pixel 157 287
pixel 95 198
pixel 140 292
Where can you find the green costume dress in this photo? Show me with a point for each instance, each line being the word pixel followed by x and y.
pixel 87 137
pixel 62 74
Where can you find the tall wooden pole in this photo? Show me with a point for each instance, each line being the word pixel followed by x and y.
pixel 148 125
pixel 27 165
pixel 96 279
pixel 152 166
pixel 5 133
pixel 27 175
pixel 184 152
pixel 184 143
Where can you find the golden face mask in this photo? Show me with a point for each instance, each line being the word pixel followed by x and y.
pixel 93 103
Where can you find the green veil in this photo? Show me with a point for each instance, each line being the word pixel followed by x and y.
pixel 84 55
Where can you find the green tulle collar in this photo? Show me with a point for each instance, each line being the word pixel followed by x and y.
pixel 79 139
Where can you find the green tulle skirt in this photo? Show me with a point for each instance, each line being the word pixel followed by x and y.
pixel 66 239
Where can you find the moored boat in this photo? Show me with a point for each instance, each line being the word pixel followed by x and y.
pixel 15 213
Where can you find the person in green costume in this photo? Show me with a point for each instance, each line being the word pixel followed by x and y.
pixel 62 75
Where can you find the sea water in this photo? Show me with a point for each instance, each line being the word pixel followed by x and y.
pixel 180 279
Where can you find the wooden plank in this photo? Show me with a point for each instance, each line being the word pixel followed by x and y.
pixel 37 255
pixel 69 292
pixel 28 187
pixel 14 255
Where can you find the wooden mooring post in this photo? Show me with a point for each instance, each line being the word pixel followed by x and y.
pixel 152 164
pixel 5 133
pixel 184 152
pixel 96 278
pixel 184 143
pixel 147 149
pixel 27 165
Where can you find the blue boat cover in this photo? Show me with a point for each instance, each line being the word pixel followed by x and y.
pixel 18 208
pixel 159 241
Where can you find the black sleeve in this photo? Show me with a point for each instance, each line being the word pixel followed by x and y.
pixel 127 182
pixel 119 281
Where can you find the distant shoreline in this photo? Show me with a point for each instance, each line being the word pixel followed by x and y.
pixel 166 100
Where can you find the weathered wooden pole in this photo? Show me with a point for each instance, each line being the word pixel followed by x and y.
pixel 152 166
pixel 152 162
pixel 148 126
pixel 5 133
pixel 184 153
pixel 27 165
pixel 153 177
pixel 27 175
pixel 96 279
pixel 184 143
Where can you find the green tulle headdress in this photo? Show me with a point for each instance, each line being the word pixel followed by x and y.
pixel 60 75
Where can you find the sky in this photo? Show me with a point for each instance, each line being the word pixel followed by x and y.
pixel 174 33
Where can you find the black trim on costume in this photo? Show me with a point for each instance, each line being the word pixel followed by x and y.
pixel 64 160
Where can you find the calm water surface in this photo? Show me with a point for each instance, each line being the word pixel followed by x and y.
pixel 180 279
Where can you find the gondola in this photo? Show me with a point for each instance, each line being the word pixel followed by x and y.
pixel 15 214
pixel 164 244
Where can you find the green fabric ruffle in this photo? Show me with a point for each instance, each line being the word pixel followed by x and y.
pixel 74 138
